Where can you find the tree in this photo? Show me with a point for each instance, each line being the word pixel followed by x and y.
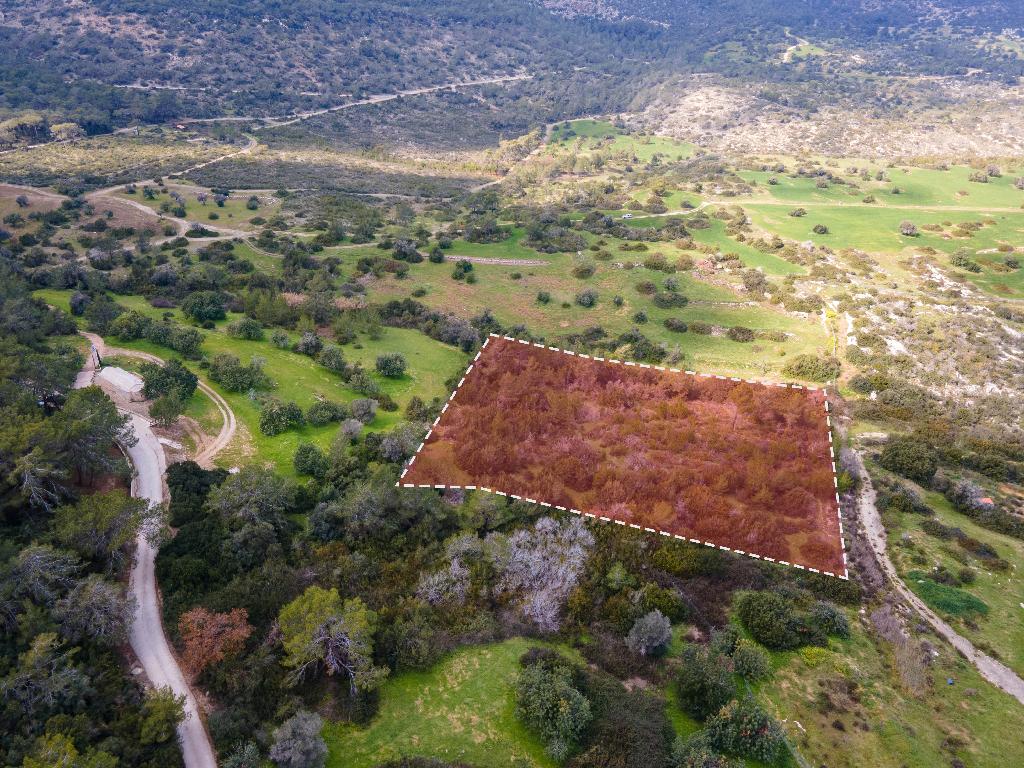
pixel 94 610
pixel 911 457
pixel 244 755
pixel 227 370
pixel 364 409
pixel 82 433
pixel 750 661
pixel 323 634
pixel 42 574
pixel 22 201
pixel 101 526
pixel 246 328
pixel 44 678
pixel 310 460
pixel 253 494
pixel 161 713
pixel 705 681
pixel 550 705
pixel 167 378
pixel 166 409
pixel 204 306
pixel 769 618
pixel 298 743
pixel 650 634
pixel 392 365
pixel 55 750
pixel 743 728
pixel 208 638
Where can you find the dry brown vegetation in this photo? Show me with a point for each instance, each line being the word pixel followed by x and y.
pixel 737 464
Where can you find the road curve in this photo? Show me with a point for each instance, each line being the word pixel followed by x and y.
pixel 994 671
pixel 229 425
pixel 146 635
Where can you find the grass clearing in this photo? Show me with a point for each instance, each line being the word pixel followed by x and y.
pixel 302 380
pixel 462 710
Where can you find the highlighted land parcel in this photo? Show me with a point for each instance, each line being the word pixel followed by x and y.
pixel 740 465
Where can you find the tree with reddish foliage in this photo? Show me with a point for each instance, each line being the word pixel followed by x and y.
pixel 209 637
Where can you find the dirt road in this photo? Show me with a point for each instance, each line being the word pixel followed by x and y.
pixel 228 426
pixel 994 671
pixel 146 635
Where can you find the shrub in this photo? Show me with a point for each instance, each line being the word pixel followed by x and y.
pixel 908 229
pixel 310 460
pixel 204 306
pixel 650 634
pixel 744 728
pixel 704 329
pixel 333 359
pixel 820 229
pixel 324 412
pixel 675 324
pixel 587 298
pixel 543 297
pixel 704 684
pixel 769 618
pixel 392 365
pixel 910 457
pixel 436 255
pixel 640 317
pixel 280 339
pixel 670 300
pixel 309 344
pixel 812 368
pixel 550 705
pixel 751 662
pixel 739 333
pixel 830 619
pixel 277 417
pixel 228 371
pixel 246 328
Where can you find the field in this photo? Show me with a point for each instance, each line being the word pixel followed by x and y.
pixel 105 160
pixel 1000 624
pixel 511 292
pixel 298 378
pixel 733 464
pixel 938 202
pixel 233 213
pixel 462 710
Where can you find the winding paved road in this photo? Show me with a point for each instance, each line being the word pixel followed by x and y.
pixel 994 671
pixel 147 636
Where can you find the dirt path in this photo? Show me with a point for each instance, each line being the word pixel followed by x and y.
pixel 229 426
pixel 146 635
pixel 994 671
pixel 274 122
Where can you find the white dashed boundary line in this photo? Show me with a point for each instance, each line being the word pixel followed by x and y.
pixel 828 423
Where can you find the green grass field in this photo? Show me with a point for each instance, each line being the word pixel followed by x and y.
pixel 601 134
pixel 233 213
pixel 300 379
pixel 515 301
pixel 463 710
pixel 907 729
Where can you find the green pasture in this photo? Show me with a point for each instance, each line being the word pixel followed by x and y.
pixel 601 134
pixel 462 710
pixel 300 379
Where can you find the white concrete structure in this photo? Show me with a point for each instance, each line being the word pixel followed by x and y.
pixel 125 382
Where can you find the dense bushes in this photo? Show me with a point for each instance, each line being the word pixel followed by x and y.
pixel 228 371
pixel 132 325
pixel 549 703
pixel 392 365
pixel 786 622
pixel 172 377
pixel 813 368
pixel 911 457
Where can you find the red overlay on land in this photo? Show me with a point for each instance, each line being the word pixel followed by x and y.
pixel 729 463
